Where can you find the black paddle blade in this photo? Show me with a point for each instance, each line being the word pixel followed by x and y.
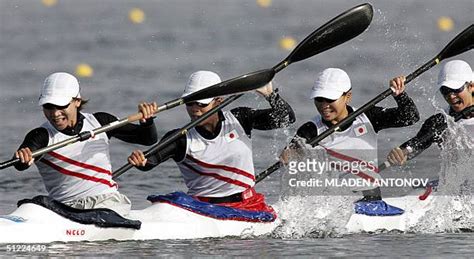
pixel 235 85
pixel 463 42
pixel 335 32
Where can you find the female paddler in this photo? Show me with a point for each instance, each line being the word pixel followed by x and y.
pixel 351 151
pixel 216 158
pixel 456 85
pixel 80 174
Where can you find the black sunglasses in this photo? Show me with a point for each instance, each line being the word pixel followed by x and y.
pixel 322 99
pixel 50 106
pixel 446 90
pixel 201 105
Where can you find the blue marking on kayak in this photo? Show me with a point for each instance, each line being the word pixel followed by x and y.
pixel 376 208
pixel 187 202
pixel 13 218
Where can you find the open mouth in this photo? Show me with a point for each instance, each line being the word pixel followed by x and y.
pixel 59 120
pixel 326 113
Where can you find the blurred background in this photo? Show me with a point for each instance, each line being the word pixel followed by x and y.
pixel 124 52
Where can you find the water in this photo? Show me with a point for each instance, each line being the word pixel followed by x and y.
pixel 152 61
pixel 394 245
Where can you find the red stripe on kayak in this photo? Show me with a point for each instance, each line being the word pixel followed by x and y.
pixel 80 164
pixel 222 167
pixel 78 175
pixel 218 177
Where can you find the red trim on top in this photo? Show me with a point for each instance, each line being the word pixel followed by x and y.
pixel 80 164
pixel 222 167
pixel 347 158
pixel 78 175
pixel 236 218
pixel 218 177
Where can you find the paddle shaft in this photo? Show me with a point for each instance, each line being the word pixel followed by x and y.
pixel 80 137
pixel 280 66
pixel 239 84
pixel 463 42
pixel 181 132
pixel 335 32
pixel 351 117
pixel 89 134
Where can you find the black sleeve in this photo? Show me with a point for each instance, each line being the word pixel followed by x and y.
pixel 307 131
pixel 431 131
pixel 175 150
pixel 143 134
pixel 280 115
pixel 35 139
pixel 405 114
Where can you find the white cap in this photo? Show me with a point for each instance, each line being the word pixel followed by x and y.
pixel 59 89
pixel 454 74
pixel 200 80
pixel 331 84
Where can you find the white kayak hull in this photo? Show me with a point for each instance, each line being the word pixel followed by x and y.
pixel 31 223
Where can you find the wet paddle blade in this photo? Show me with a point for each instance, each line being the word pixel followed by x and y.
pixel 463 42
pixel 342 28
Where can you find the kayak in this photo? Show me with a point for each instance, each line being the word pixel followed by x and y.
pixel 33 223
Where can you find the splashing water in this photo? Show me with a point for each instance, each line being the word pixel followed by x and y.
pixel 453 208
pixel 306 215
pixel 313 216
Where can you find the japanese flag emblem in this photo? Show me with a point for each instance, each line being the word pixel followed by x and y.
pixel 231 136
pixel 361 130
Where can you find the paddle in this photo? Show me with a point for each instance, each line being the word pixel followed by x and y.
pixel 335 32
pixel 413 152
pixel 173 137
pixel 464 41
pixel 340 29
pixel 239 84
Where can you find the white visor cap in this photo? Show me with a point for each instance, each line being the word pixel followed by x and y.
pixel 200 80
pixel 331 83
pixel 59 89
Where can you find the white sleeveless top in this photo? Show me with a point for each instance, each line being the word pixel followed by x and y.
pixel 352 148
pixel 468 124
pixel 78 170
pixel 221 166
